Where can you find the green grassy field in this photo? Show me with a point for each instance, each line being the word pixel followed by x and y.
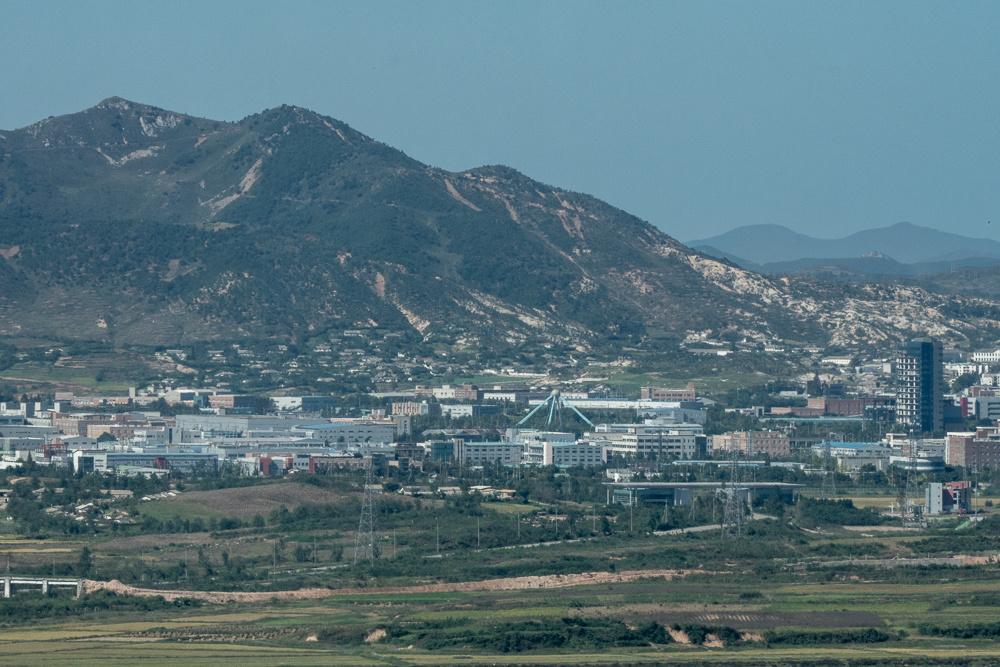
pixel 334 630
pixel 783 595
pixel 164 510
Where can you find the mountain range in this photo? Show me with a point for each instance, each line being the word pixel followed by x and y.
pixel 133 224
pixel 900 249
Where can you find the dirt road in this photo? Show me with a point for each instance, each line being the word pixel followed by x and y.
pixel 509 584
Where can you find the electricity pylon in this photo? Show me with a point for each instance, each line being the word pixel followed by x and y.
pixel 366 539
pixel 911 505
pixel 733 513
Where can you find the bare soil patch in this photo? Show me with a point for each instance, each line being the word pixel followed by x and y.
pixel 250 500
pixel 509 584
pixel 769 620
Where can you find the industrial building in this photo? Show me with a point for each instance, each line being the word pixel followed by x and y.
pixel 105 461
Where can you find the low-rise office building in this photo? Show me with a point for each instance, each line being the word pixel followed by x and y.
pixel 660 441
pixel 947 498
pixel 457 411
pixel 479 453
pixel 304 403
pixel 753 443
pixel 661 394
pixel 414 409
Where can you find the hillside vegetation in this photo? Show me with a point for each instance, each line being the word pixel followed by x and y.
pixel 135 225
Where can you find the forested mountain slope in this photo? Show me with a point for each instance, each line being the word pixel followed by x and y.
pixel 134 224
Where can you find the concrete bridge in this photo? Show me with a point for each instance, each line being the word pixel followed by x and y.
pixel 44 582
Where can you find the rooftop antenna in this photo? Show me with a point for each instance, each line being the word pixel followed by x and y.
pixel 366 539
pixel 556 403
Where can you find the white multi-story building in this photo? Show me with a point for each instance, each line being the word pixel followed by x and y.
pixel 992 357
pixel 659 441
pixel 967 369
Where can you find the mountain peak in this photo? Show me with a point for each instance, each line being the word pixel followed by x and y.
pixel 904 242
pixel 288 224
pixel 114 100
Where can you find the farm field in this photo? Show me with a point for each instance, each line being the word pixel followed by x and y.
pixel 264 572
pixel 458 628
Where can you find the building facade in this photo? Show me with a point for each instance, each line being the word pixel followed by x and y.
pixel 661 394
pixel 753 443
pixel 478 453
pixel 414 409
pixel 980 449
pixel 920 385
pixel 678 441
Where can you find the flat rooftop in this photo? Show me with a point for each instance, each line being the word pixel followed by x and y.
pixel 700 485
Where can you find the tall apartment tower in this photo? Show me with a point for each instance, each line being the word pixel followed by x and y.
pixel 920 385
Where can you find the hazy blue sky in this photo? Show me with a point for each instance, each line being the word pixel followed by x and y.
pixel 697 116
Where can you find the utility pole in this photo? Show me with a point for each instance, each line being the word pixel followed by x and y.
pixel 478 542
pixel 975 502
pixel 437 533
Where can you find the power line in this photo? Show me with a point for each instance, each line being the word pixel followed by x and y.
pixel 733 510
pixel 911 505
pixel 366 539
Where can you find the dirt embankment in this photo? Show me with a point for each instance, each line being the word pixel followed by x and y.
pixel 509 584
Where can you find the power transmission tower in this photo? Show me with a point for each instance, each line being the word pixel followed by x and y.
pixel 366 539
pixel 733 511
pixel 829 476
pixel 911 506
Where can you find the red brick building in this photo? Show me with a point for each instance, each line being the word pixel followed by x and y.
pixel 232 401
pixel 980 449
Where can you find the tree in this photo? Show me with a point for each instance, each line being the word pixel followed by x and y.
pixel 84 564
pixel 106 437
pixel 964 381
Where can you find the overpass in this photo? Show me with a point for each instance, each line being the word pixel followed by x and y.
pixel 10 582
pixel 628 493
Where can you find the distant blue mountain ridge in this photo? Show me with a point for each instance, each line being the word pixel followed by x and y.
pixel 900 249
